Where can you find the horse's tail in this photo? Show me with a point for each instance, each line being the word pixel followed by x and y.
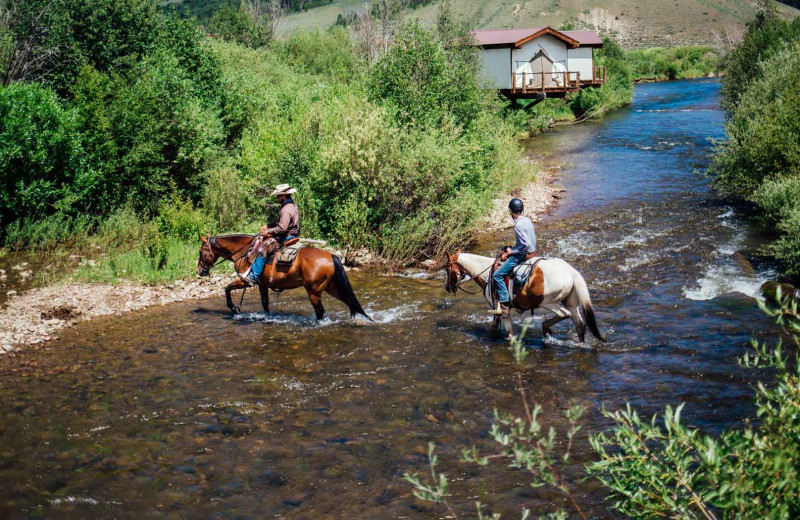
pixel 582 291
pixel 345 290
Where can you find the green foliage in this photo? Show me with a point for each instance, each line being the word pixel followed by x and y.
pixel 178 218
pixel 423 83
pixel 147 136
pixel 40 151
pixel 236 24
pixel 760 160
pixel 765 36
pixel 331 53
pixel 664 468
pixel 190 133
pixel 673 62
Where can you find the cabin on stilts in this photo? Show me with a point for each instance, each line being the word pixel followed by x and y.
pixel 539 62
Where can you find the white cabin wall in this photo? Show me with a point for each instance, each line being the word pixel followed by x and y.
pixel 497 67
pixel 552 46
pixel 580 60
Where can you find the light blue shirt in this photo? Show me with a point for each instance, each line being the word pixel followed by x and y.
pixel 526 236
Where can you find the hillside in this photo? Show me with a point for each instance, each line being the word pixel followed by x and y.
pixel 634 23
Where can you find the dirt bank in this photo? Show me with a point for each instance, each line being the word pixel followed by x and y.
pixel 538 197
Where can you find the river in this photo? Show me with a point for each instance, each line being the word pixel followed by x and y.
pixel 185 412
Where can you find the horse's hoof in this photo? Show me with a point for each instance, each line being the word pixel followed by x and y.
pixel 235 310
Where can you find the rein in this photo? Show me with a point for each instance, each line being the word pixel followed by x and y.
pixel 213 243
pixel 458 283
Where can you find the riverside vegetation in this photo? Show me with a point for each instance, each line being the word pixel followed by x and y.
pixel 125 132
pixel 760 159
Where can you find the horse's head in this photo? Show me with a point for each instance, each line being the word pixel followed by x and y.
pixel 207 256
pixel 454 273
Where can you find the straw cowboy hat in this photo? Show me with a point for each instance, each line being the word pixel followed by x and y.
pixel 283 189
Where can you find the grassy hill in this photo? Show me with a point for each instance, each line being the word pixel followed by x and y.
pixel 634 23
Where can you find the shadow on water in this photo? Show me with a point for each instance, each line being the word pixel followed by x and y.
pixel 187 412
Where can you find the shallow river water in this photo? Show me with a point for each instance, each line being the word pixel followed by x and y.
pixel 185 412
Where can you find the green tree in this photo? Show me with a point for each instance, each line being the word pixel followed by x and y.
pixel 424 83
pixel 40 151
pixel 232 23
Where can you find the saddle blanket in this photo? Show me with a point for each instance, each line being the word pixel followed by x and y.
pixel 286 255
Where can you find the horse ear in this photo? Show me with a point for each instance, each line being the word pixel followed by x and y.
pixel 202 238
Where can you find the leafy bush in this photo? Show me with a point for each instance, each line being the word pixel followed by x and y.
pixel 146 137
pixel 653 470
pixel 673 63
pixel 332 52
pixel 235 24
pixel 179 219
pixel 764 131
pixel 765 36
pixel 420 82
pixel 40 151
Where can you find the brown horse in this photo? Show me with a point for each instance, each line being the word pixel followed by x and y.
pixel 313 268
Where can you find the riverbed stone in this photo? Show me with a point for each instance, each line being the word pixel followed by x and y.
pixel 770 291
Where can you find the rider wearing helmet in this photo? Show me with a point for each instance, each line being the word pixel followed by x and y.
pixel 513 256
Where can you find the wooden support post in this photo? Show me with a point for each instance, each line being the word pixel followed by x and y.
pixel 578 81
pixel 524 81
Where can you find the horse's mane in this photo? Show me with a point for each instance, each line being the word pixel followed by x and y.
pixel 474 264
pixel 233 236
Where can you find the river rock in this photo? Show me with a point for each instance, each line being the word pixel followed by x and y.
pixel 744 263
pixel 770 291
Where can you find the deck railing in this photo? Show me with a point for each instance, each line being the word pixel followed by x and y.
pixel 567 81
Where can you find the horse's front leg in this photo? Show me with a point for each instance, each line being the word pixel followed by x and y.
pixel 264 290
pixel 495 324
pixel 238 284
pixel 506 318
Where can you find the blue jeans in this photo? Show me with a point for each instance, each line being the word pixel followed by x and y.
pixel 503 271
pixel 261 262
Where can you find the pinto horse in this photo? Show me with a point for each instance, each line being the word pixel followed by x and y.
pixel 313 268
pixel 553 285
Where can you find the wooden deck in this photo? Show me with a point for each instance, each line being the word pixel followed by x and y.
pixel 541 85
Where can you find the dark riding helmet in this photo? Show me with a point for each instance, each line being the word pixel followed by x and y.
pixel 516 206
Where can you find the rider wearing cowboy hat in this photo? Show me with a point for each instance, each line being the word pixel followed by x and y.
pixel 279 231
pixel 513 256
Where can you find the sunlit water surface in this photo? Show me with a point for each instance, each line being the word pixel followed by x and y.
pixel 186 412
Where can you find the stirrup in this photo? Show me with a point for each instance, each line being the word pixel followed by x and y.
pixel 499 311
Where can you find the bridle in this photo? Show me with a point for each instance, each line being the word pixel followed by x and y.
pixel 461 275
pixel 212 243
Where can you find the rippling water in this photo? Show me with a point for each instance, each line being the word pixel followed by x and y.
pixel 186 412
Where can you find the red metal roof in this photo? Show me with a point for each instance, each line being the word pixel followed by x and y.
pixel 585 38
pixel 503 36
pixel 513 37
